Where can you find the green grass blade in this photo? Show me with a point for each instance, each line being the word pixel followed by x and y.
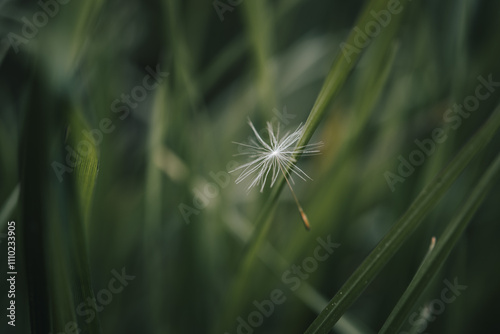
pixel 433 262
pixel 9 206
pixel 81 186
pixel 410 220
pixel 33 219
pixel 333 83
pixel 259 25
pixel 154 196
pixel 235 50
pixel 342 67
pixel 53 213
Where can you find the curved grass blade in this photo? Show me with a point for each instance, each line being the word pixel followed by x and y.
pixel 433 262
pixel 53 213
pixel 81 188
pixel 402 229
pixel 334 81
pixel 343 65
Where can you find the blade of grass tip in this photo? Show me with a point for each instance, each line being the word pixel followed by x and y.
pixel 86 169
pixel 52 214
pixel 435 259
pixel 9 206
pixel 421 206
pixel 79 201
pixel 68 202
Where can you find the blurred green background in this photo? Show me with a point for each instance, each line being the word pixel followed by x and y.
pixel 163 88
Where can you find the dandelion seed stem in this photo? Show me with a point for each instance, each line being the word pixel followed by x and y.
pixel 301 211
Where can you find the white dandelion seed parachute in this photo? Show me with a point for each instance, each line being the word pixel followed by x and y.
pixel 277 155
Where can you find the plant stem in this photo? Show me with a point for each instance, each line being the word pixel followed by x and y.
pixel 301 211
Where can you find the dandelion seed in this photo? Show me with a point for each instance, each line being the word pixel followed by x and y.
pixel 269 159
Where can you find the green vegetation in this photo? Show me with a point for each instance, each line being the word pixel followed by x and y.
pixel 116 150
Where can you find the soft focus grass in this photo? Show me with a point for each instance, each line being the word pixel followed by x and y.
pixel 122 208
